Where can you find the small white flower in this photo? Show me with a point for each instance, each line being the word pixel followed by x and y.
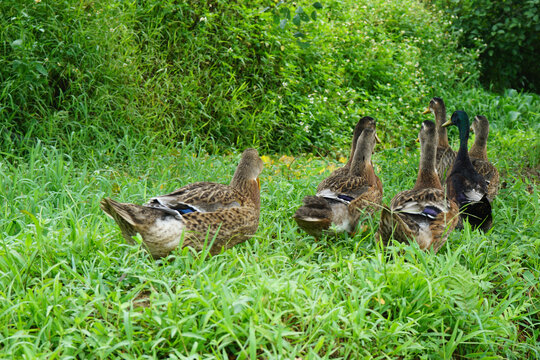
pixel 202 19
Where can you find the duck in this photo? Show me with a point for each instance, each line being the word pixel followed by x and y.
pixel 348 193
pixel 364 123
pixel 196 215
pixel 445 155
pixel 424 213
pixel 464 184
pixel 478 155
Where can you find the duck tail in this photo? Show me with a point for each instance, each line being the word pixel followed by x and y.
pixel 314 216
pixel 123 214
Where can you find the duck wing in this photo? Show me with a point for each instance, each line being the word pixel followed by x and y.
pixel 199 197
pixel 490 174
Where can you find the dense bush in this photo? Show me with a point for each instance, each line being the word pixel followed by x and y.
pixel 219 72
pixel 508 32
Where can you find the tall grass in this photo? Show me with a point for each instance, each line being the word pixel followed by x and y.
pixel 71 287
pixel 130 100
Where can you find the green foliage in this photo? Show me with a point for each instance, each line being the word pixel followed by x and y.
pixel 220 72
pixel 508 34
pixel 71 287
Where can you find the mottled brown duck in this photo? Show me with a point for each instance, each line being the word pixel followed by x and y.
pixel 345 196
pixel 445 155
pixel 196 214
pixel 422 214
pixel 478 156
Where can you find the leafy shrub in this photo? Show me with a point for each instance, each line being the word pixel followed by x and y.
pixel 222 73
pixel 507 32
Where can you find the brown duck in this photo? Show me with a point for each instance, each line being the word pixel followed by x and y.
pixel 347 193
pixel 445 155
pixel 478 156
pixel 196 214
pixel 423 214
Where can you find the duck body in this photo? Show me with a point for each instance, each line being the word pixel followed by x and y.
pixel 479 159
pixel 348 193
pixel 196 215
pixel 464 184
pixel 424 213
pixel 445 156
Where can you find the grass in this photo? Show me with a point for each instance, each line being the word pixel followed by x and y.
pixel 106 99
pixel 71 287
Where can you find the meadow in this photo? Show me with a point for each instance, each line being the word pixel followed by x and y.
pixel 70 287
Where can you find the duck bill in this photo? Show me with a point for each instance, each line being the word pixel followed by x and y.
pixel 427 111
pixel 377 140
pixel 417 139
pixel 448 123
pixel 259 184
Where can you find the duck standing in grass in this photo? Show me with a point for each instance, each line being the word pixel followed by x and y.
pixel 348 192
pixel 423 213
pixel 196 214
pixel 464 184
pixel 445 155
pixel 478 156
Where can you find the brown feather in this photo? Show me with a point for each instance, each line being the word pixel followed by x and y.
pixel 224 214
pixel 411 214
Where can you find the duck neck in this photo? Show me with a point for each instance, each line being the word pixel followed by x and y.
pixel 463 128
pixel 361 162
pixel 249 187
pixel 356 135
pixel 440 118
pixel 479 148
pixel 427 175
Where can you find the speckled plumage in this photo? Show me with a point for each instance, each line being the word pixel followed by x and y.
pixel 478 156
pixel 348 193
pixel 196 214
pixel 464 184
pixel 423 214
pixel 445 156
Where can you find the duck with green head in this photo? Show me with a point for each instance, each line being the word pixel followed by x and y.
pixel 464 184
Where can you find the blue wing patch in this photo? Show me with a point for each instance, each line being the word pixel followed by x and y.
pixel 431 211
pixel 345 197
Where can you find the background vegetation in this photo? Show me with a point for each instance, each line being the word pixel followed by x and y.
pixel 220 72
pixel 508 35
pixel 131 99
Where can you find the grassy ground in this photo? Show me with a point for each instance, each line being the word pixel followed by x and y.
pixel 71 287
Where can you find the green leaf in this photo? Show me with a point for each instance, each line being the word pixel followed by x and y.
pixel 514 115
pixel 317 5
pixel 41 69
pixel 303 44
pixel 304 17
pixel 296 20
pixel 286 12
pixel 276 19
pixel 283 23
pixel 299 10
pixel 17 42
pixel 314 15
pixel 299 34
